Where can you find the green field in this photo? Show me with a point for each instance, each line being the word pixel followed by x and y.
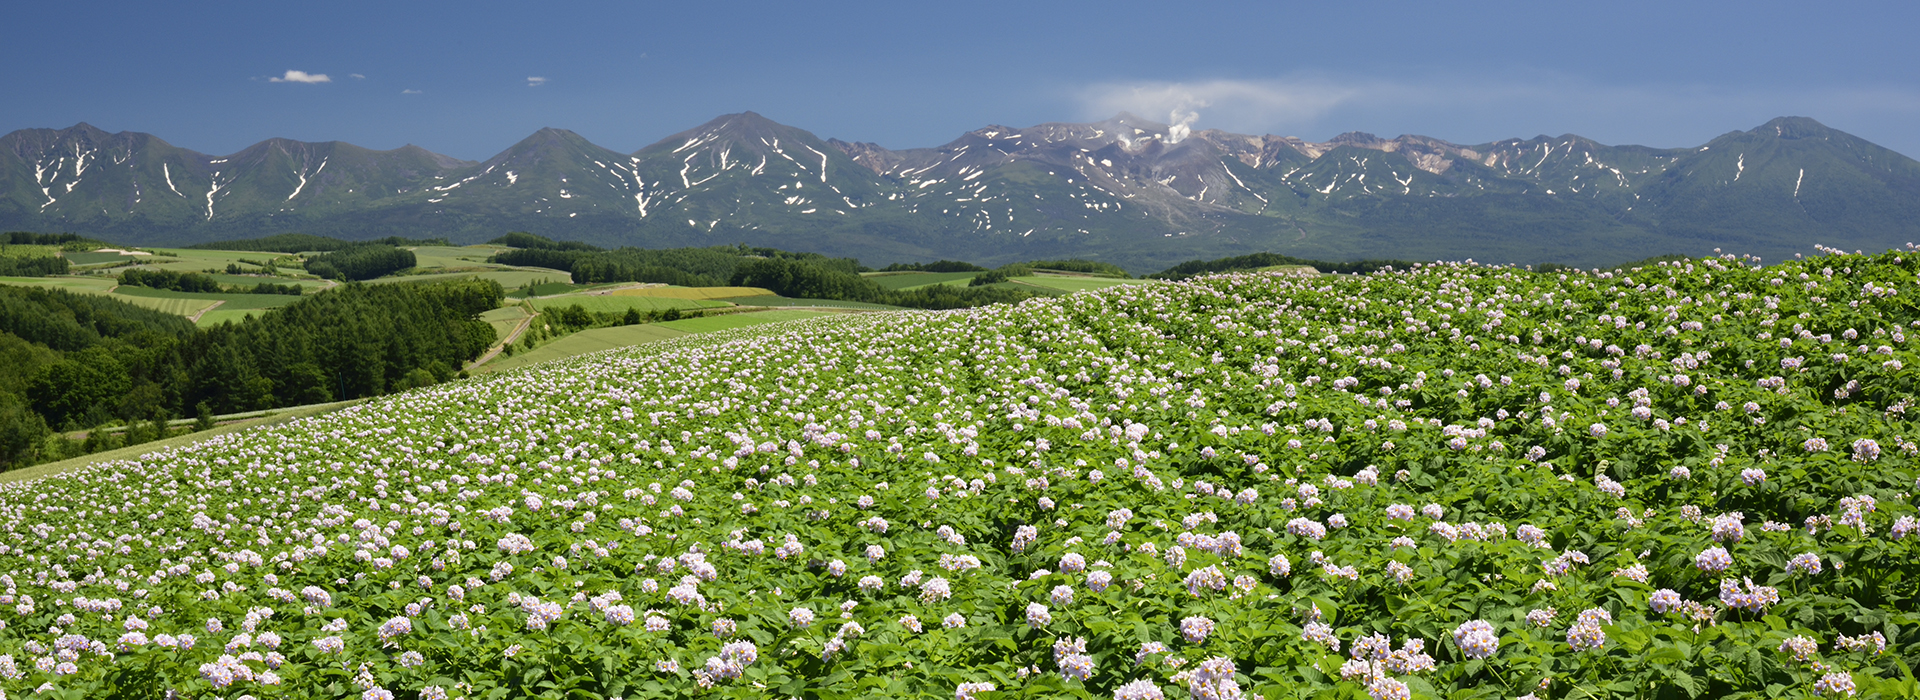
pixel 621 336
pixel 30 251
pixel 504 319
pixel 234 308
pixel 432 257
pixel 201 261
pixel 669 292
pixel 91 258
pixel 584 342
pixel 545 289
pixel 193 260
pixel 510 278
pixel 310 284
pixel 1067 283
pixel 233 301
pixel 1303 270
pixel 779 301
pixel 910 280
pixel 87 285
pixel 226 315
pixel 619 304
pixel 708 324
pixel 178 306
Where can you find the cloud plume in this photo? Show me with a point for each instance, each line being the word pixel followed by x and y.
pixel 1469 108
pixel 535 81
pixel 1235 102
pixel 300 76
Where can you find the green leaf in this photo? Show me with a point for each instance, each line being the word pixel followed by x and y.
pixel 1687 682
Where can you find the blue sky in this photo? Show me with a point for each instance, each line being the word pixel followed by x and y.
pixel 460 78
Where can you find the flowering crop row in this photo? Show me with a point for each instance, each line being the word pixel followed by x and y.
pixel 1690 479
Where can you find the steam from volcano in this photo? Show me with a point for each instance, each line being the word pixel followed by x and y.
pixel 1180 122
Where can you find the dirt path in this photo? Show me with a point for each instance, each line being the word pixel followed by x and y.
pixel 196 317
pixel 515 335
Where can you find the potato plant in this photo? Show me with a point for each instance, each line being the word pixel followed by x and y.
pixel 1686 480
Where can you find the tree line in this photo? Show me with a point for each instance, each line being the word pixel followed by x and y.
pixel 789 274
pixel 305 242
pixel 67 241
pixel 687 267
pixel 935 266
pixel 199 283
pixel 1196 268
pixel 529 241
pixel 801 279
pixel 81 361
pixel 33 265
pixel 361 261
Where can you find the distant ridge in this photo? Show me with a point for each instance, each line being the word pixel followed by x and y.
pixel 1126 190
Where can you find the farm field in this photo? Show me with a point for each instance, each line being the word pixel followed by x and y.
pixel 231 301
pixel 597 339
pixel 197 260
pixel 505 319
pixel 609 303
pixel 30 251
pixel 542 289
pixel 510 278
pixel 691 292
pixel 234 306
pixel 709 324
pixel 86 285
pixel 1302 270
pixel 1074 283
pixel 310 284
pixel 430 257
pixel 222 314
pixel 171 302
pixel 780 301
pixel 914 280
pixel 583 342
pixel 1688 480
pixel 84 258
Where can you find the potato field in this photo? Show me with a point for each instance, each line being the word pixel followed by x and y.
pixel 1692 479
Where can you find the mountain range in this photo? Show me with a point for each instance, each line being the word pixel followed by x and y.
pixel 1127 190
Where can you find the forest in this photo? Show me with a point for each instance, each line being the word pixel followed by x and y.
pixel 307 243
pixel 80 361
pixel 1196 268
pixel 360 262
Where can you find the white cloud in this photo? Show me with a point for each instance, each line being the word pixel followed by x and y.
pixel 1467 108
pixel 535 81
pixel 409 91
pixel 300 76
pixel 1240 102
pixel 357 76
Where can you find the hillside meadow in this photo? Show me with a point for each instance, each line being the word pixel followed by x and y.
pixel 1690 479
